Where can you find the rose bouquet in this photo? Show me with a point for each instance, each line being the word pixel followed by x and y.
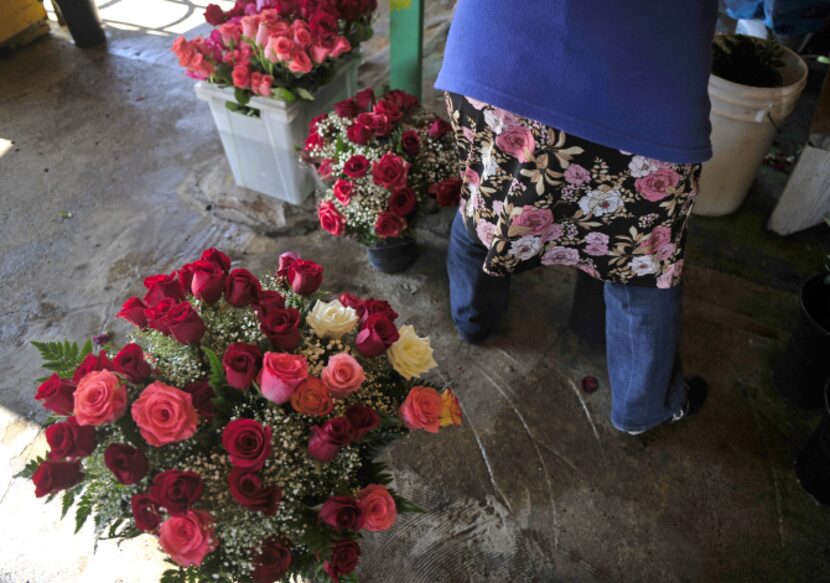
pixel 382 160
pixel 287 50
pixel 241 424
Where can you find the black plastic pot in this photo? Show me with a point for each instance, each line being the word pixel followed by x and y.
pixel 802 371
pixel 81 17
pixel 393 255
pixel 588 309
pixel 812 468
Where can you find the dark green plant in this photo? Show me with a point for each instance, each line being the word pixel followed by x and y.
pixel 748 60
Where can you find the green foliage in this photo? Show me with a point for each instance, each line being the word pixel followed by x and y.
pixel 217 371
pixel 66 502
pixel 285 94
pixel 30 467
pixel 305 94
pixel 242 96
pixel 82 511
pixel 747 60
pixel 62 357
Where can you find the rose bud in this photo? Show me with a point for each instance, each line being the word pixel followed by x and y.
pixel 305 276
pixel 285 262
pixel 185 324
pixel 189 538
pixel 146 515
pixel 363 419
pixel 164 414
pixel 241 288
pixel 130 362
pixel 133 312
pixel 378 334
pixel 280 375
pixel 389 109
pixel 389 225
pixel 378 506
pixel 438 128
pixel 51 476
pixel 359 134
pixel 267 302
pixel 403 100
pixel 247 489
pixel 57 394
pixel 176 491
pixel 326 440
pixel 282 328
pixel 311 397
pixel 92 363
pixel 447 192
pixel 127 463
pixel 346 108
pixel 69 441
pixel 158 316
pixel 364 99
pixel 373 306
pixel 241 362
pixel 324 169
pixel 272 562
pixel 208 281
pixel 411 143
pixel 331 221
pixel 248 443
pixel 342 513
pixel 422 409
pixel 403 202
pixel 390 172
pixel 202 395
pixel 345 555
pixel 185 275
pixel 214 15
pixel 101 397
pixel 343 190
pixel 217 257
pixel 163 286
pixel 356 167
pixel 354 302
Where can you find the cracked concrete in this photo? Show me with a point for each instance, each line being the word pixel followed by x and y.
pixel 537 486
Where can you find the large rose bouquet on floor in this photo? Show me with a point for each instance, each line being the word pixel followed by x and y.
pixel 381 160
pixel 241 425
pixel 286 51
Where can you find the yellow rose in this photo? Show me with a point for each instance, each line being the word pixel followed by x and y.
pixel 411 356
pixel 331 319
pixel 450 409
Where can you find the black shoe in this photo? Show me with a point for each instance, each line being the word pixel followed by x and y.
pixel 697 390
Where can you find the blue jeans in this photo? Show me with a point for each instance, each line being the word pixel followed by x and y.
pixel 642 328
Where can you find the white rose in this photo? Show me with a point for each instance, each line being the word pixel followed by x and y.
pixel 331 319
pixel 411 356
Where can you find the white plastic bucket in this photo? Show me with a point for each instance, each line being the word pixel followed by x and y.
pixel 744 121
pixel 262 151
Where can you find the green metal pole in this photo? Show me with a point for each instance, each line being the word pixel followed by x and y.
pixel 406 32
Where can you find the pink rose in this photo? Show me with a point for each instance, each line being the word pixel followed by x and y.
pixel 343 375
pixel 230 33
pixel 281 373
pixel 250 25
pixel 319 53
pixel 657 185
pixel 577 175
pixel 188 538
pixel 560 256
pixel 101 397
pixel 300 62
pixel 279 49
pixel 534 221
pixel 341 47
pixel 164 414
pixel 378 506
pixel 241 76
pixel 302 36
pixel 264 86
pixel 517 141
pixel 422 409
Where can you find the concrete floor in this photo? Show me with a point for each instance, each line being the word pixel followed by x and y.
pixel 536 486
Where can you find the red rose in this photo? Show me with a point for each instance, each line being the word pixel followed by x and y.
pixel 217 257
pixel 389 109
pixel 402 202
pixel 312 141
pixel 272 562
pixel 282 327
pixel 241 288
pixel 247 489
pixel 51 477
pixel 404 101
pixel 363 419
pixel 346 108
pixel 185 324
pixel 345 555
pixel 208 281
pixel 342 513
pixel 305 276
pixel 447 192
pixel 163 286
pixel 176 490
pixel 268 301
pixel 411 143
pixel 241 362
pixel 214 15
pixel 247 442
pixel 185 275
pixel 356 167
pixel 327 439
pixel 202 395
pixel 57 394
pixel 373 306
pixel 68 440
pixel 322 24
pixel 92 363
pixel 377 334
pixel 130 362
pixel 330 219
pixel 133 312
pixel 388 224
pixel 324 169
pixel 157 316
pixel 379 508
pixel 127 463
pixel 364 99
pixel 377 123
pixel 354 302
pixel 359 134
pixel 285 261
pixel 390 172
pixel 146 514
pixel 343 190
pixel 438 128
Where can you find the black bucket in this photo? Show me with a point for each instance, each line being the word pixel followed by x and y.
pixel 812 468
pixel 81 17
pixel 588 309
pixel 393 255
pixel 802 371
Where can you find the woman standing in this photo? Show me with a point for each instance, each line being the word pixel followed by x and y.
pixel 581 127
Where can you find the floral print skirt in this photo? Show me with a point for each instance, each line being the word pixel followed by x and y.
pixel 534 195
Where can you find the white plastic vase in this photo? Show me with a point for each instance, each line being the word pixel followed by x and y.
pixel 744 120
pixel 263 151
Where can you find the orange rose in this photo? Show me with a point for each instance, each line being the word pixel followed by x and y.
pixel 422 409
pixel 378 508
pixel 312 397
pixel 101 397
pixel 450 409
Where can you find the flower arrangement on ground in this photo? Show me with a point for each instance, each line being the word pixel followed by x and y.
pixel 287 50
pixel 382 159
pixel 240 426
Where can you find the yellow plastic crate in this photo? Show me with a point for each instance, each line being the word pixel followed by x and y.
pixel 18 15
